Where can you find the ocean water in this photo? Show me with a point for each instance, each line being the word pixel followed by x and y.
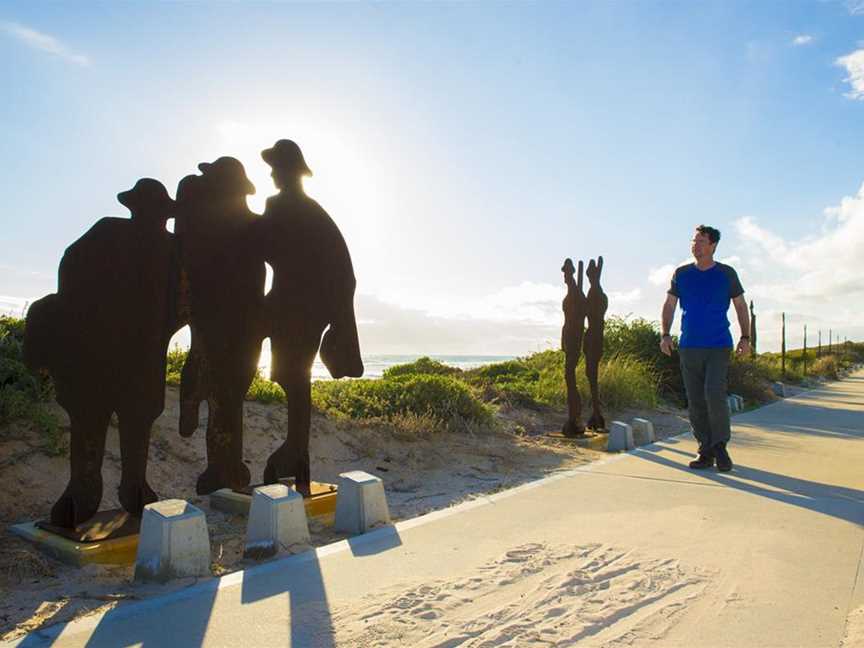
pixel 376 364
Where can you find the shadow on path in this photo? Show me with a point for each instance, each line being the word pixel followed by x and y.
pixel 184 625
pixel 839 502
pixel 308 617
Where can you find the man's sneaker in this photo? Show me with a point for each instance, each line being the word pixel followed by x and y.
pixel 703 461
pixel 724 461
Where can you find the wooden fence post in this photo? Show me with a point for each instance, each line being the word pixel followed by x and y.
pixel 805 350
pixel 752 331
pixel 783 347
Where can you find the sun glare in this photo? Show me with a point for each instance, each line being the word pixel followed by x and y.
pixel 342 180
pixel 345 181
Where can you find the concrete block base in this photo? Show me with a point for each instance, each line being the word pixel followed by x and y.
pixel 779 389
pixel 174 542
pixel 277 520
pixel 735 402
pixel 643 431
pixel 321 503
pixel 620 437
pixel 361 503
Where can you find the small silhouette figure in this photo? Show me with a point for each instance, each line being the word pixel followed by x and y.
pixel 104 338
pixel 574 307
pixel 225 301
pixel 313 287
pixel 597 303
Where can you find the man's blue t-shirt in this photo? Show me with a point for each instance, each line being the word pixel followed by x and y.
pixel 705 297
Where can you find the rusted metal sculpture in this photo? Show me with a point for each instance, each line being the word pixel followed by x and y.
pixel 597 303
pixel 575 310
pixel 313 287
pixel 104 338
pixel 225 276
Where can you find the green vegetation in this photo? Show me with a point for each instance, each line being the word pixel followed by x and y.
pixel 23 394
pixel 425 366
pixel 538 380
pixel 261 389
pixel 427 394
pixel 176 359
pixel 445 399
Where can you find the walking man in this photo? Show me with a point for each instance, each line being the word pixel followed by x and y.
pixel 705 289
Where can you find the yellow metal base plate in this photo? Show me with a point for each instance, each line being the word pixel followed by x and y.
pixel 115 551
pixel 593 440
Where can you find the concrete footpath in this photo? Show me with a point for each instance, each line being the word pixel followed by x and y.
pixel 636 550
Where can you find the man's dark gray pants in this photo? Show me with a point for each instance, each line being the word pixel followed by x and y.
pixel 705 372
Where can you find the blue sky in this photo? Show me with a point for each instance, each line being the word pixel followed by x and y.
pixel 465 149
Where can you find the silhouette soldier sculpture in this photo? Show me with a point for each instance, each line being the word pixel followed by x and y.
pixel 104 339
pixel 574 306
pixel 597 303
pixel 313 287
pixel 225 299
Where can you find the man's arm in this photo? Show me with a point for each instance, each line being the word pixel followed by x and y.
pixel 743 313
pixel 666 320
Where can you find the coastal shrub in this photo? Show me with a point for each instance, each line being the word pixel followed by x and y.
pixel 23 393
pixel 636 337
pixel 176 360
pixel 261 389
pixel 640 338
pixel 538 380
pixel 424 366
pixel 512 381
pixel 751 379
pixel 826 366
pixel 264 391
pixel 442 397
pixel 772 364
pixel 624 381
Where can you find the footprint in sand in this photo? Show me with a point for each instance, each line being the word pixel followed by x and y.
pixel 533 593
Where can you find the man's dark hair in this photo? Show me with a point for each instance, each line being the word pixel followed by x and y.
pixel 712 233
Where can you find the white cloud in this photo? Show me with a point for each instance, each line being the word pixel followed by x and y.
pixel 803 39
pixel 818 268
pixel 662 275
pixel 15 306
pixel 855 7
pixel 513 320
pixel 853 63
pixel 401 330
pixel 43 42
pixel 624 298
pixel 527 302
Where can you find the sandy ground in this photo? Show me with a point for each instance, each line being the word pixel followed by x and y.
pixel 854 629
pixel 423 470
pixel 532 595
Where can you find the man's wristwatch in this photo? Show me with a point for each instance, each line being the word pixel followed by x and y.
pixel 745 337
pixel 665 335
